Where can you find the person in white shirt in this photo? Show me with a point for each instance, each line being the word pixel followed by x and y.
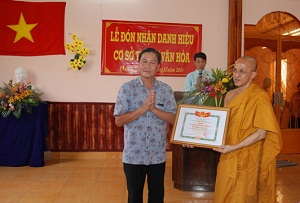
pixel 194 77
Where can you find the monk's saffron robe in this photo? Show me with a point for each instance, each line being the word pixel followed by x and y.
pixel 248 174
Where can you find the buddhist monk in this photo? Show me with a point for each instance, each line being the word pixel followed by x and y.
pixel 247 166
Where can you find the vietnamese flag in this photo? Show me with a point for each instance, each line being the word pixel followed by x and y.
pixel 32 28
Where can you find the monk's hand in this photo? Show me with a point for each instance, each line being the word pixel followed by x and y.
pixel 188 146
pixel 225 149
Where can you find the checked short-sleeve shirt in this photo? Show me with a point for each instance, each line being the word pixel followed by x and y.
pixel 145 137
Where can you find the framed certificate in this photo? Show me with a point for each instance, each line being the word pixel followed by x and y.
pixel 202 126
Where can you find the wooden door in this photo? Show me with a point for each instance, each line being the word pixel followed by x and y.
pixel 278 56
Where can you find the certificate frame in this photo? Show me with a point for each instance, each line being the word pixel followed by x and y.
pixel 200 126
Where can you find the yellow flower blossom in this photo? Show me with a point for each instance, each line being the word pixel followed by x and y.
pixel 225 80
pixel 79 52
pixel 74 36
pixel 78 43
pixel 82 58
pixel 84 51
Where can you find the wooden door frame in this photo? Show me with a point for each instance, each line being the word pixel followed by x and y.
pixel 234 31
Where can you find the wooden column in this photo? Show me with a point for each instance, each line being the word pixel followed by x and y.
pixel 234 31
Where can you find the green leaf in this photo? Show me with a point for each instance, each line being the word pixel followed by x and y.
pixel 28 109
pixel 5 113
pixel 77 56
pixel 17 113
pixel 209 102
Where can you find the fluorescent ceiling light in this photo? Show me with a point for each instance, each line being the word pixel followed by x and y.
pixel 293 32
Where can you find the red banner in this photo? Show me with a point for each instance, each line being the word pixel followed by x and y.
pixel 122 41
pixel 32 28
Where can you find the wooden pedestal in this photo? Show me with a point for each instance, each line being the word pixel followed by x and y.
pixel 194 169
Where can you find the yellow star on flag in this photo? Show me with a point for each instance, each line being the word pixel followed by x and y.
pixel 23 29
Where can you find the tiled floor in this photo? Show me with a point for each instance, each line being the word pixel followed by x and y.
pixel 99 178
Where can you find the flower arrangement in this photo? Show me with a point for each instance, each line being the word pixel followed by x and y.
pixel 17 97
pixel 211 90
pixel 80 52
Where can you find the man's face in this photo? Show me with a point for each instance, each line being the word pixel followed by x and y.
pixel 148 65
pixel 200 63
pixel 243 73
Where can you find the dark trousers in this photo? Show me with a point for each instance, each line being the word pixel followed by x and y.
pixel 136 175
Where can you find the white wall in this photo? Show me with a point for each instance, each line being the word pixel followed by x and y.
pixel 254 10
pixel 83 17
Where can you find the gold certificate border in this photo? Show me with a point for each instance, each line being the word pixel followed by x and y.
pixel 218 129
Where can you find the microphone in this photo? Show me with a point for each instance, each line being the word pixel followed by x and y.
pixel 200 73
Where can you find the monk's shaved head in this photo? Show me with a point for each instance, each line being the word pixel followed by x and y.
pixel 248 61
